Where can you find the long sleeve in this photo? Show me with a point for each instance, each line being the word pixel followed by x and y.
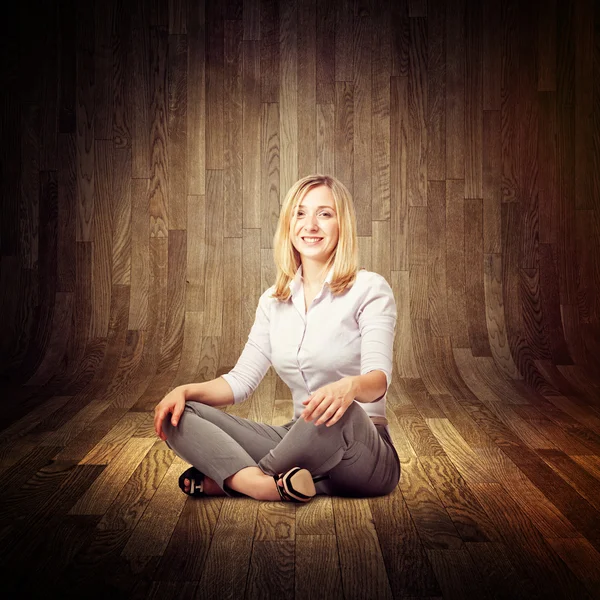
pixel 255 359
pixel 377 322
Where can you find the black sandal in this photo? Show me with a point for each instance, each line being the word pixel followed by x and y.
pixel 298 485
pixel 196 479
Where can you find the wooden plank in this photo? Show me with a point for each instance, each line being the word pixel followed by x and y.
pixel 435 531
pixel 455 91
pixel 493 562
pixel 548 175
pixel 456 573
pixel 315 518
pixel 213 301
pixel 344 33
pixel 577 477
pixel 492 181
pixel 272 570
pixel 121 219
pixel 214 85
pixel 252 135
pixel 362 129
pixel 584 104
pixel 436 258
pixel 436 91
pixel 185 555
pixel 140 234
pixel 111 444
pixel 177 17
pixel 509 69
pixel 528 124
pixel 102 235
pixel 495 317
pixel 29 197
pixel 105 489
pixel 231 341
pixel 228 560
pixel 582 558
pixel 317 570
pixel 288 97
pixel 579 515
pixel 468 516
pixel 455 261
pixel 153 531
pixel 381 65
pixel 306 79
pixel 196 99
pixel 361 561
pixel 175 302
pixel 398 172
pixel 464 458
pixel 533 319
pixel 270 191
pixel 275 521
pixel 408 568
pixel 400 38
pixel 251 19
pixel 417 112
pixel 475 296
pixel 380 249
pixel 473 105
pixel 158 115
pixel 85 121
pixel 233 107
pixel 403 347
pixel 269 51
pixel 325 57
pixel 462 421
pixel 533 557
pixel 344 133
pixel 177 130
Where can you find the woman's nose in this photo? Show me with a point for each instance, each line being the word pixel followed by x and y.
pixel 311 221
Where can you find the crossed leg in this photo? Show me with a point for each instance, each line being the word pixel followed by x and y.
pixel 242 455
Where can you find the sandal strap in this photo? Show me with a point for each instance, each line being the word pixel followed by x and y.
pixel 285 497
pixel 196 479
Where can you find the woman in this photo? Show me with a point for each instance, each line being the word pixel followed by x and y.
pixel 328 330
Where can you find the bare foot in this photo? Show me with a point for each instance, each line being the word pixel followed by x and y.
pixel 209 487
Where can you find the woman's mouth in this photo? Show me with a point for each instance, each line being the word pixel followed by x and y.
pixel 310 241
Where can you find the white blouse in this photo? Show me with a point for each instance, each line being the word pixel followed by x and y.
pixel 350 334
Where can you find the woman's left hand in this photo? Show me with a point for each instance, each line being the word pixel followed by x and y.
pixel 330 402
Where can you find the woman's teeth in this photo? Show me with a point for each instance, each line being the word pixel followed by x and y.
pixel 312 240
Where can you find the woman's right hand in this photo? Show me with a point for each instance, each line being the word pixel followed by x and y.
pixel 173 403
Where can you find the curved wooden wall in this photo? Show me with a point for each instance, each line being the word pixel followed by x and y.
pixel 146 148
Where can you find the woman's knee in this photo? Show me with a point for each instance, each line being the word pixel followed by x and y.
pixel 171 430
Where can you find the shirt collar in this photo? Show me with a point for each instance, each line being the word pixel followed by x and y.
pixel 296 283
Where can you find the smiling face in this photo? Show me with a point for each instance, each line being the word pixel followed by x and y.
pixel 315 218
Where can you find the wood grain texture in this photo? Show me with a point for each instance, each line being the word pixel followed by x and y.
pixel 146 150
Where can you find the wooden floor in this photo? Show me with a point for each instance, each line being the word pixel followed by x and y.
pixel 499 498
pixel 145 149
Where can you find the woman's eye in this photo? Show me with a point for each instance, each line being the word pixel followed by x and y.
pixel 324 214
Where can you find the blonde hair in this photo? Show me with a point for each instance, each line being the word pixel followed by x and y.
pixel 344 257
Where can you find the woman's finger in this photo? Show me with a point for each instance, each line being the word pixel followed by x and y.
pixel 338 415
pixel 312 402
pixel 327 414
pixel 158 421
pixel 320 408
pixel 177 411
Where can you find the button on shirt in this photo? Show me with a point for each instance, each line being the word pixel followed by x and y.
pixel 338 336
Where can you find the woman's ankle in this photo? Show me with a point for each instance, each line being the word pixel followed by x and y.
pixel 211 488
pixel 252 482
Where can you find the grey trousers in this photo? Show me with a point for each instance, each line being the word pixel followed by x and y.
pixel 357 457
